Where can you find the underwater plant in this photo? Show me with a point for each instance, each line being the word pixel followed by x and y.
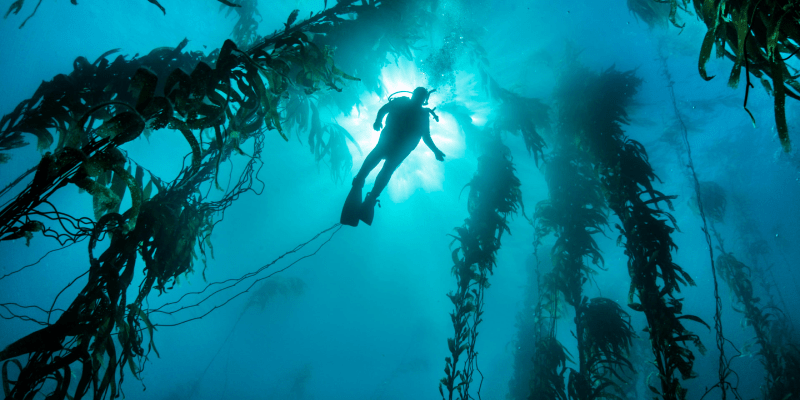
pixel 245 31
pixel 260 298
pixel 17 5
pixel 574 213
pixel 714 202
pixel 527 327
pixel 550 360
pixel 654 14
pixel 759 36
pixel 101 332
pixel 325 140
pixel 494 195
pixel 383 30
pixel 779 355
pixel 592 109
pixel 709 202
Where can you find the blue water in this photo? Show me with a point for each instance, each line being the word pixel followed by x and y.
pixel 371 320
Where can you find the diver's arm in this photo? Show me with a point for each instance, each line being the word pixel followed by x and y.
pixel 429 142
pixel 379 119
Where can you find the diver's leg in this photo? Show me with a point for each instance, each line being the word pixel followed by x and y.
pixel 368 206
pixel 370 162
pixel 383 177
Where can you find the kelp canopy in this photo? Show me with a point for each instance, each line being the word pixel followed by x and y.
pixel 149 231
pixel 760 37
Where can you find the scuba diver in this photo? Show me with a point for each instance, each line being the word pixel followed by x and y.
pixel 407 122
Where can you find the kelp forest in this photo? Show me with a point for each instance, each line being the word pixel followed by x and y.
pixel 590 211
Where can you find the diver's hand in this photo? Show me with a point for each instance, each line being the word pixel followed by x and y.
pixel 377 126
pixel 439 156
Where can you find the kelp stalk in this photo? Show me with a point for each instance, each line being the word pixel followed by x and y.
pixel 494 195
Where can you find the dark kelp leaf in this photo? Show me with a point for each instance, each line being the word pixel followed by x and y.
pixel 155 2
pixel 122 128
pixel 694 318
pixel 228 3
pixel 780 103
pixel 705 54
pixel 292 18
pixel 14 9
pixel 6 382
pixel 44 139
pixel 143 86
pixel 148 191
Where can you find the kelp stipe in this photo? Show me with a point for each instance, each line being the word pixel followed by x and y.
pixel 596 105
pixel 261 297
pixel 575 211
pixel 779 354
pixel 709 202
pixel 494 195
pixel 165 229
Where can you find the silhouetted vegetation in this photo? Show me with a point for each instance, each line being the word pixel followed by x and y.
pixel 233 94
pixel 494 195
pixel 759 36
pixel 592 109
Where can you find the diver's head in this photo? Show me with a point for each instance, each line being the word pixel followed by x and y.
pixel 420 96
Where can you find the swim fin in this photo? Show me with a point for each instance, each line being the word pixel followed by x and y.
pixel 352 207
pixel 367 212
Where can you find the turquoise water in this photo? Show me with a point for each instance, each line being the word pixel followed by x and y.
pixel 366 317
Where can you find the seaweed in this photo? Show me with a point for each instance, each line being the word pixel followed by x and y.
pixel 17 5
pixel 383 29
pixel 494 195
pixel 245 31
pixel 592 110
pixel 575 212
pixel 604 336
pixel 709 200
pixel 102 331
pixel 550 360
pixel 755 35
pixel 778 354
pixel 714 202
pixel 325 140
pixel 654 14
pixel 529 327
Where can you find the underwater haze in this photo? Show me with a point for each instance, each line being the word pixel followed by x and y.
pixel 604 206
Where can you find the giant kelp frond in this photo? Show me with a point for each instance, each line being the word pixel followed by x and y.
pixel 16 7
pixel 494 194
pixel 654 14
pixel 608 332
pixel 592 110
pixel 550 359
pixel 714 201
pixel 382 29
pixel 517 114
pixel 574 212
pixel 234 96
pixel 778 353
pixel 60 104
pixel 245 31
pixel 759 36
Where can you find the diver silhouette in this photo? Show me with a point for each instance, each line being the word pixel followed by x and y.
pixel 407 122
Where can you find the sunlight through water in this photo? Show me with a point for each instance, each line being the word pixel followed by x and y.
pixel 420 170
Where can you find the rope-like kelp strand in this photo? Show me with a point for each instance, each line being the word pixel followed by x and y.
pixel 723 364
pixel 337 227
pixel 243 277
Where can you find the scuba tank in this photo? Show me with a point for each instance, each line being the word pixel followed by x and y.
pixel 432 112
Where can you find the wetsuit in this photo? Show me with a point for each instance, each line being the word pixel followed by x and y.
pixel 406 124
